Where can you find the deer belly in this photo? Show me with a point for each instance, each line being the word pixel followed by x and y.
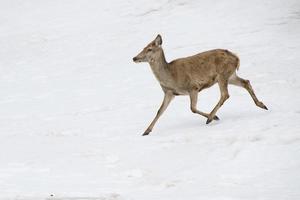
pixel 175 91
pixel 180 92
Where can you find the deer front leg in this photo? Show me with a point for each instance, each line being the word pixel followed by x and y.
pixel 167 99
pixel 194 99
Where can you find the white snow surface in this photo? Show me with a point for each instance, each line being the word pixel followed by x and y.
pixel 73 104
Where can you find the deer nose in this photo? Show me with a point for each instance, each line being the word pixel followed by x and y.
pixel 134 59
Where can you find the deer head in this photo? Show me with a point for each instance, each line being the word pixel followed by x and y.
pixel 151 52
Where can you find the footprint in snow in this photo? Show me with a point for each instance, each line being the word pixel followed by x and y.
pixel 134 173
pixel 113 196
pixel 111 160
pixel 170 184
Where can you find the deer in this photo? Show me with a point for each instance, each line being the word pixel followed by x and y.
pixel 190 75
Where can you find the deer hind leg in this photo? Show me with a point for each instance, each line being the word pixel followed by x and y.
pixel 194 98
pixel 223 85
pixel 167 99
pixel 235 80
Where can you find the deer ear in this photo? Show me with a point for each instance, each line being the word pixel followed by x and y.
pixel 158 40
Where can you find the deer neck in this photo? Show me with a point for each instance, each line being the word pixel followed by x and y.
pixel 160 68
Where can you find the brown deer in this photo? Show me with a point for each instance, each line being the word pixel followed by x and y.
pixel 190 75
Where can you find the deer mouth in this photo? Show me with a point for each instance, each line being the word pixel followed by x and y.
pixel 137 60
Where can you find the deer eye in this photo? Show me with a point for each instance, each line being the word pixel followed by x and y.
pixel 149 50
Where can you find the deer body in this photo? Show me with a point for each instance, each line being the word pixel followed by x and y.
pixel 190 75
pixel 195 72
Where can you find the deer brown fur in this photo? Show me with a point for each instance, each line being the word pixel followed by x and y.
pixel 190 75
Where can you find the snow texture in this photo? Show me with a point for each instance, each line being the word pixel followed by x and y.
pixel 73 104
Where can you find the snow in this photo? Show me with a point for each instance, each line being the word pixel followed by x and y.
pixel 74 105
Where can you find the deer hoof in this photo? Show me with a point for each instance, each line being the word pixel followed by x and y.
pixel 261 105
pixel 216 117
pixel 208 121
pixel 146 132
pixel 264 107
